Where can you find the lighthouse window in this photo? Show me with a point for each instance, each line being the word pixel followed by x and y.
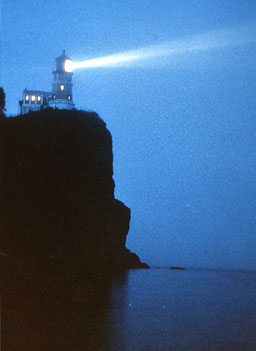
pixel 69 97
pixel 27 99
pixel 62 87
pixel 54 96
pixel 33 99
pixel 39 100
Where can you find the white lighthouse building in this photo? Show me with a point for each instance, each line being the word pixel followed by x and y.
pixel 61 95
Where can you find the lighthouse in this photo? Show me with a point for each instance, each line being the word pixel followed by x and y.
pixel 61 95
pixel 62 85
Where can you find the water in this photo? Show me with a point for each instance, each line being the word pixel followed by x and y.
pixel 183 310
pixel 155 309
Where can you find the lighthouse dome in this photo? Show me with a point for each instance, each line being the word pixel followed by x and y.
pixel 60 62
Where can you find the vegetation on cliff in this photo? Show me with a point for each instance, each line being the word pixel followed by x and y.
pixel 2 102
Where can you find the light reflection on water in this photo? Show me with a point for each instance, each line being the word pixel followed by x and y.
pixel 155 309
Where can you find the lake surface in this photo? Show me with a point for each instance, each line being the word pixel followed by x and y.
pixel 162 309
pixel 155 309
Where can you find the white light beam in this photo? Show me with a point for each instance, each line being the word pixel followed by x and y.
pixel 211 40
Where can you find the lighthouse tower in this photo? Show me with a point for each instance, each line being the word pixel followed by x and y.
pixel 60 97
pixel 62 86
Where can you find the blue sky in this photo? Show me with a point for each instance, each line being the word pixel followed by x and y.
pixel 183 126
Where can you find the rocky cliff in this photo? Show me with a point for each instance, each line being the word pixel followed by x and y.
pixel 58 209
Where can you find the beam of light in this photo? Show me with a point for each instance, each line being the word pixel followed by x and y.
pixel 211 40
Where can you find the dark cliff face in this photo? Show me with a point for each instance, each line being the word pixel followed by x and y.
pixel 57 195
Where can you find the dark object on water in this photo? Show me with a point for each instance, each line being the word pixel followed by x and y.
pixel 63 232
pixel 178 268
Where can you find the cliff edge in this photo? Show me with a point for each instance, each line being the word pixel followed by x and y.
pixel 58 207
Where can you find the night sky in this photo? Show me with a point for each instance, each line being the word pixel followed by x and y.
pixel 183 126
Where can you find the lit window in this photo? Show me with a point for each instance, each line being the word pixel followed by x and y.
pixel 33 99
pixel 62 87
pixel 69 97
pixel 27 99
pixel 54 96
pixel 39 100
